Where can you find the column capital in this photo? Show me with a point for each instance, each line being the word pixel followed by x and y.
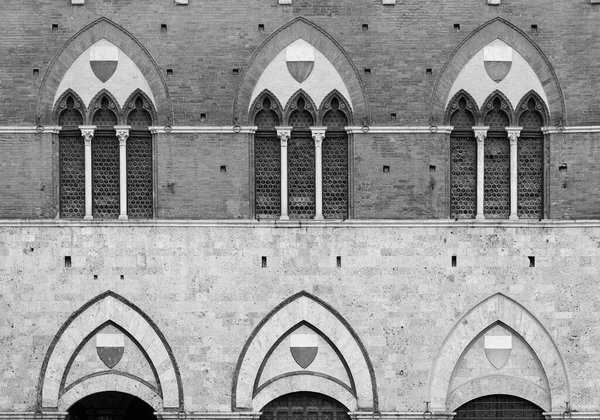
pixel 513 133
pixel 284 134
pixel 480 133
pixel 318 134
pixel 87 131
pixel 122 133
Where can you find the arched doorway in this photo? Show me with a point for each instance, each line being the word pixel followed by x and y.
pixel 499 407
pixel 304 406
pixel 111 405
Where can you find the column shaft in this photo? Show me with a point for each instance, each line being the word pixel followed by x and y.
pixel 88 133
pixel 318 134
pixel 284 134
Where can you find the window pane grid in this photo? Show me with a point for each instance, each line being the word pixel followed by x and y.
pixel 105 175
pixel 267 172
pixel 499 407
pixel 139 176
pixel 463 182
pixel 496 203
pixel 335 177
pixel 72 176
pixel 530 177
pixel 301 178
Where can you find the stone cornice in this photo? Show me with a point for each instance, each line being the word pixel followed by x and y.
pixel 348 224
pixel 29 129
pixel 397 129
pixel 191 129
pixel 574 129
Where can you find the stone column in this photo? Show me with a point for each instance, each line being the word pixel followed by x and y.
pixel 513 136
pixel 284 134
pixel 318 134
pixel 480 134
pixel 122 135
pixel 87 131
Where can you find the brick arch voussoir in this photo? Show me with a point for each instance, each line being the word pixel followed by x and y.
pixel 532 94
pixel 90 316
pixel 474 110
pixel 58 110
pixel 498 28
pixel 132 98
pixel 300 307
pixel 499 384
pixel 257 106
pixel 78 43
pixel 276 42
pixel 498 307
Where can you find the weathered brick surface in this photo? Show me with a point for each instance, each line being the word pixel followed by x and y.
pixel 206 291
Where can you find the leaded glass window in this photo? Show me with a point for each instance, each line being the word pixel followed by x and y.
pixel 499 407
pixel 105 176
pixel 530 165
pixel 267 162
pixel 304 406
pixel 496 177
pixel 335 175
pixel 72 175
pixel 301 176
pixel 301 116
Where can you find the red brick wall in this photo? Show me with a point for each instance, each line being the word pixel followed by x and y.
pixel 190 182
pixel 26 174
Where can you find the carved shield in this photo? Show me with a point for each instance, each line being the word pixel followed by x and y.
pixel 300 60
pixel 498 349
pixel 110 348
pixel 103 61
pixel 304 348
pixel 497 60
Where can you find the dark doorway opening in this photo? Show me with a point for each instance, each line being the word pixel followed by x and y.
pixel 304 406
pixel 111 405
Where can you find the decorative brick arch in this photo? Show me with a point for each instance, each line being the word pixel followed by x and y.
pixel 498 307
pixel 103 28
pixel 498 28
pixel 276 42
pixel 109 307
pixel 303 307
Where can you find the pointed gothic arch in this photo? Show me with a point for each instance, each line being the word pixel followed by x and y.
pixel 487 107
pixel 130 106
pixel 257 107
pixel 307 308
pixel 325 107
pixel 109 307
pixel 490 311
pixel 96 106
pixel 299 28
pixel 61 106
pixel 453 107
pixel 498 28
pixel 103 28
pixel 540 107
pixel 291 107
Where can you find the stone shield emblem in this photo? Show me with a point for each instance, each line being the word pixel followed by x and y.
pixel 104 60
pixel 110 348
pixel 498 349
pixel 300 60
pixel 497 60
pixel 304 348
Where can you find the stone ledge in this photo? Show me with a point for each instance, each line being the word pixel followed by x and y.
pixel 295 224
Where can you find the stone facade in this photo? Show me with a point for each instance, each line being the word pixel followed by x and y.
pixel 400 309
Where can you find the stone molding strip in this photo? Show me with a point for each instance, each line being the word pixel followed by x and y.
pixel 207 415
pixel 25 415
pixel 248 129
pixel 203 129
pixel 400 415
pixel 398 129
pixel 293 224
pixel 18 129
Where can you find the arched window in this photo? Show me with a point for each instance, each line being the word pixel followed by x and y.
pixel 499 407
pixel 530 164
pixel 335 160
pixel 139 160
pixel 105 160
pixel 71 159
pixel 463 159
pixel 267 160
pixel 304 406
pixel 496 197
pixel 301 161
